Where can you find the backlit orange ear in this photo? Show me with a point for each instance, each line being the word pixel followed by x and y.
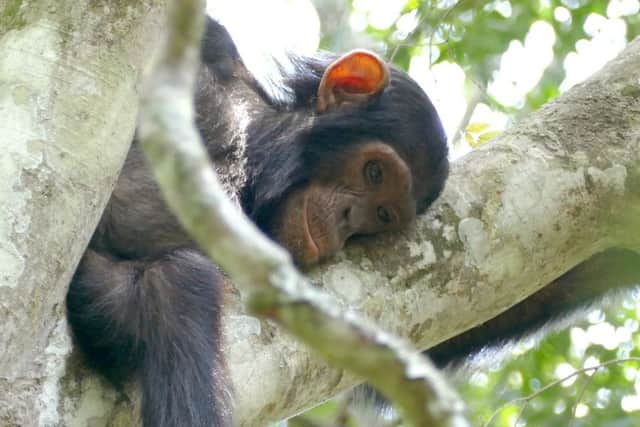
pixel 352 78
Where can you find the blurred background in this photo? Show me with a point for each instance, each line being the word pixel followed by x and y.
pixel 483 64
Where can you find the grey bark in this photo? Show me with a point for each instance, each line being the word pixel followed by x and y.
pixel 69 74
pixel 558 187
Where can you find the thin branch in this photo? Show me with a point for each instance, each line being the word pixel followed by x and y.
pixel 583 390
pixel 475 99
pixel 273 287
pixel 528 398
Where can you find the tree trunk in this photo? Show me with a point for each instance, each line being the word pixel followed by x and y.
pixel 68 101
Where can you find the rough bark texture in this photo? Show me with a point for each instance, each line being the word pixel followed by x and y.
pixel 558 187
pixel 68 98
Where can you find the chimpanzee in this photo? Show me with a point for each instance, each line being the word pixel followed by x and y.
pixel 355 147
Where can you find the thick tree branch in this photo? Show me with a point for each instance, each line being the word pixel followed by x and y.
pixel 517 213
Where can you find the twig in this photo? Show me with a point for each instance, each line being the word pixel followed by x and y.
pixel 476 97
pixel 579 397
pixel 557 382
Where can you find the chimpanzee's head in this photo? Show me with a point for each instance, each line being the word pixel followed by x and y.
pixel 360 150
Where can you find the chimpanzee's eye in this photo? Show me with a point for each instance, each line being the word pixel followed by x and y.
pixel 383 215
pixel 373 172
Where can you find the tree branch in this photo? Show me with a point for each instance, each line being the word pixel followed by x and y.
pixel 551 192
pixel 273 287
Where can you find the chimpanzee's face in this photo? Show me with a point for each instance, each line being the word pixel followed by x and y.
pixel 368 193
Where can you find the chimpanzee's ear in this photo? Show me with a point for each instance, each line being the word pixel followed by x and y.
pixel 351 79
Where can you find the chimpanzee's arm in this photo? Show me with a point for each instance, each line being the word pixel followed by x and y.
pixel 604 273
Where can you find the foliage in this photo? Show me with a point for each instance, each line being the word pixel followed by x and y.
pixel 476 33
pixel 605 397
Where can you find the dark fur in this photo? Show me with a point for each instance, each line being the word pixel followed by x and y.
pixel 290 149
pixel 145 301
pixel 161 318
